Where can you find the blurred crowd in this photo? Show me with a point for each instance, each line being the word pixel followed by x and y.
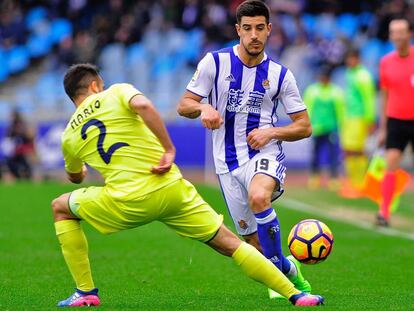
pixel 99 23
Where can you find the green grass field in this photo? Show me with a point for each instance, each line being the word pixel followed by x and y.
pixel 150 268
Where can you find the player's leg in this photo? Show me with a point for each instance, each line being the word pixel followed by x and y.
pixel 265 187
pixel 333 155
pixel 268 227
pixel 184 211
pixel 356 163
pixel 396 141
pixel 258 268
pixel 314 181
pixel 393 159
pixel 253 240
pixel 75 251
pixel 235 196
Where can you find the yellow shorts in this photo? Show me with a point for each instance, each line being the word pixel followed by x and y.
pixel 178 205
pixel 354 135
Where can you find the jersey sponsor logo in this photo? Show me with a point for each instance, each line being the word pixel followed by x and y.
pixel 234 100
pixel 253 103
pixel 243 224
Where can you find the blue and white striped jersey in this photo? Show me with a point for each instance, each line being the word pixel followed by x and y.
pixel 247 98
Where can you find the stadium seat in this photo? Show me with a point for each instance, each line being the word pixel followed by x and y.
pixel 309 22
pixel 5 110
pixel 112 60
pixel 289 26
pixel 18 59
pixel 325 26
pixel 347 25
pixel 366 19
pixel 38 45
pixel 60 29
pixel 34 16
pixel 138 67
pixel 4 67
pixel 371 52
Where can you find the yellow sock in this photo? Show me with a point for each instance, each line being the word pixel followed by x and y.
pixel 361 165
pixel 356 167
pixel 351 170
pixel 260 269
pixel 75 251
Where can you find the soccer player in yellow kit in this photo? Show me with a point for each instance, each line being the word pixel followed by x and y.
pixel 119 133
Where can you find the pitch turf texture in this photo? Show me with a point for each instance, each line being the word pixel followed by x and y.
pixel 150 268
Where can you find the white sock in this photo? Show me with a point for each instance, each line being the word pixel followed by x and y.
pixel 293 271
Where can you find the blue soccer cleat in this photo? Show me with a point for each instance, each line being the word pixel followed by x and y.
pixel 81 299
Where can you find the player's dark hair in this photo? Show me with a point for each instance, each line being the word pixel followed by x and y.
pixel 78 77
pixel 325 70
pixel 252 8
pixel 353 52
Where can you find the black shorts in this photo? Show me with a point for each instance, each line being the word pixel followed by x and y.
pixel 399 134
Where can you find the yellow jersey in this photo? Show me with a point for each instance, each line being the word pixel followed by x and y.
pixel 107 135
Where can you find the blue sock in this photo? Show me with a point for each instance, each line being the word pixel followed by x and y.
pixel 268 230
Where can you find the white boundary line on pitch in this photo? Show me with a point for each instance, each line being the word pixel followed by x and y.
pixel 303 207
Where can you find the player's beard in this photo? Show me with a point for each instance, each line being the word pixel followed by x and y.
pixel 253 53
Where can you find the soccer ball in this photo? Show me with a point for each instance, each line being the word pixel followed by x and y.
pixel 310 241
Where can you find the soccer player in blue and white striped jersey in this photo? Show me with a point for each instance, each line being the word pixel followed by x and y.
pixel 244 87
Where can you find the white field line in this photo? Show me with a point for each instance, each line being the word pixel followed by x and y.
pixel 303 207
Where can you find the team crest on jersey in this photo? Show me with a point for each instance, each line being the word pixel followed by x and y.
pixel 243 224
pixel 266 84
pixel 195 75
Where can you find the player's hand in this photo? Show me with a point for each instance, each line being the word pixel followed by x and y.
pixel 258 138
pixel 165 163
pixel 382 133
pixel 210 117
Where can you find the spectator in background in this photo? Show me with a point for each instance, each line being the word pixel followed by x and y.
pixel 12 27
pixel 359 120
pixel 22 140
pixel 397 115
pixel 325 102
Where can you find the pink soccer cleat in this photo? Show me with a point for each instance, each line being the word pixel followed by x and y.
pixel 81 299
pixel 306 300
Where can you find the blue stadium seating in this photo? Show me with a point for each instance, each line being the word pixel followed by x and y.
pixel 18 58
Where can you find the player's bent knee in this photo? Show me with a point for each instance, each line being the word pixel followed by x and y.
pixel 60 208
pixel 225 242
pixel 259 201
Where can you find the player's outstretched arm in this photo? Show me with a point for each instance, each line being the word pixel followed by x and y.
pixel 190 107
pixel 144 107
